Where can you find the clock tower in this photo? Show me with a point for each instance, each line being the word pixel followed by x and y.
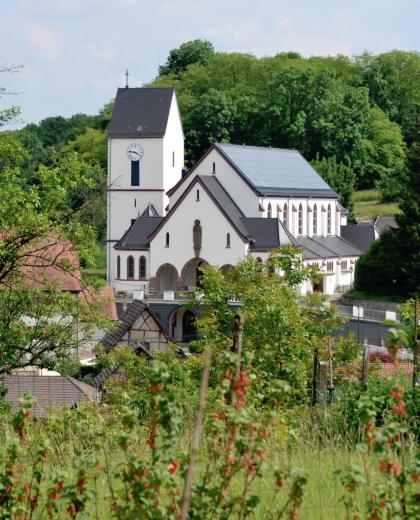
pixel 145 158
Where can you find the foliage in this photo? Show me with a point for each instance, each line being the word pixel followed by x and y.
pixel 340 177
pixel 390 483
pixel 392 264
pixel 193 52
pixel 280 332
pixel 144 462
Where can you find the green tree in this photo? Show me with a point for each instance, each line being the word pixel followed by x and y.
pixel 383 152
pixel 340 177
pixel 195 51
pixel 392 264
pixel 279 333
pixel 40 231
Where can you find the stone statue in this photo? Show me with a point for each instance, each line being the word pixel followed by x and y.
pixel 197 237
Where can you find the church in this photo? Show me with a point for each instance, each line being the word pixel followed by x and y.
pixel 165 223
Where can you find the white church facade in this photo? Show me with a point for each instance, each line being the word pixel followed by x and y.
pixel 164 223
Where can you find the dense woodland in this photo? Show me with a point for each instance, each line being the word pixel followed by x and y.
pixel 354 118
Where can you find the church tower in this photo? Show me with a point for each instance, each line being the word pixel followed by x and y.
pixel 145 157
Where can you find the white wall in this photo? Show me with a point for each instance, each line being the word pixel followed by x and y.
pixel 180 227
pixel 173 148
pixel 243 195
pixel 307 215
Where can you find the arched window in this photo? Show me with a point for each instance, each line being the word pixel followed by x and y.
pixel 142 267
pixel 278 210
pixel 300 220
pixel 167 240
pixel 118 266
pixel 315 221
pixel 227 239
pixel 329 220
pixel 130 268
pixel 285 215
pixel 269 210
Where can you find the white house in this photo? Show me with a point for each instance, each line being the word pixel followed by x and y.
pixel 164 223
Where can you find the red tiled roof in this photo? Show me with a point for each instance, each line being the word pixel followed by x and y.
pixel 51 259
pixel 51 392
pixel 106 297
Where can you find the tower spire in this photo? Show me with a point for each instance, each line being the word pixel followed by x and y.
pixel 126 78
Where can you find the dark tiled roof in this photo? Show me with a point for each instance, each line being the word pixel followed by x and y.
pixel 267 233
pixel 51 392
pixel 327 247
pixel 132 312
pixel 382 223
pixel 276 171
pixel 141 112
pixel 361 236
pixel 225 201
pixel 137 236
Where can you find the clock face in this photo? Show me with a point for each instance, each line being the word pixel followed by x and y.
pixel 135 152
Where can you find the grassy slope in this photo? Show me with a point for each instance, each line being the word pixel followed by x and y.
pixel 98 270
pixel 368 204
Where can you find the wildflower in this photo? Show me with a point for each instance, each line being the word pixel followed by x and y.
pixel 173 466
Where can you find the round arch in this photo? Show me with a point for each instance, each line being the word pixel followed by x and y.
pixel 226 268
pixel 191 272
pixel 167 276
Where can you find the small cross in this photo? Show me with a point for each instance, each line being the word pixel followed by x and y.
pixel 126 78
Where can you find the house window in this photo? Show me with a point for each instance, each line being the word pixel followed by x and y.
pixel 135 202
pixel 167 239
pixel 300 220
pixel 315 221
pixel 197 195
pixel 330 266
pixel 142 267
pixel 173 159
pixel 344 265
pixel 135 173
pixel 133 221
pixel 118 266
pixel 285 216
pixel 227 239
pixel 214 167
pixel 329 220
pixel 130 268
pixel 269 210
pixel 278 211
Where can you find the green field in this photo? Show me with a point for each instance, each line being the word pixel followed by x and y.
pixel 98 269
pixel 369 205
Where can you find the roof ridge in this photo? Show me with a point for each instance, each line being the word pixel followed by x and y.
pixel 258 147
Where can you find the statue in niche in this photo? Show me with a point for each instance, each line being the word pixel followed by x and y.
pixel 197 237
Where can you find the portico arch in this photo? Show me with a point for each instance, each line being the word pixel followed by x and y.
pixel 167 276
pixel 191 272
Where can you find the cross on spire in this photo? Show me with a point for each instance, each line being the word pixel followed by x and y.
pixel 126 78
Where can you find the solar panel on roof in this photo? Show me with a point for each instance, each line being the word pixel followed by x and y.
pixel 275 168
